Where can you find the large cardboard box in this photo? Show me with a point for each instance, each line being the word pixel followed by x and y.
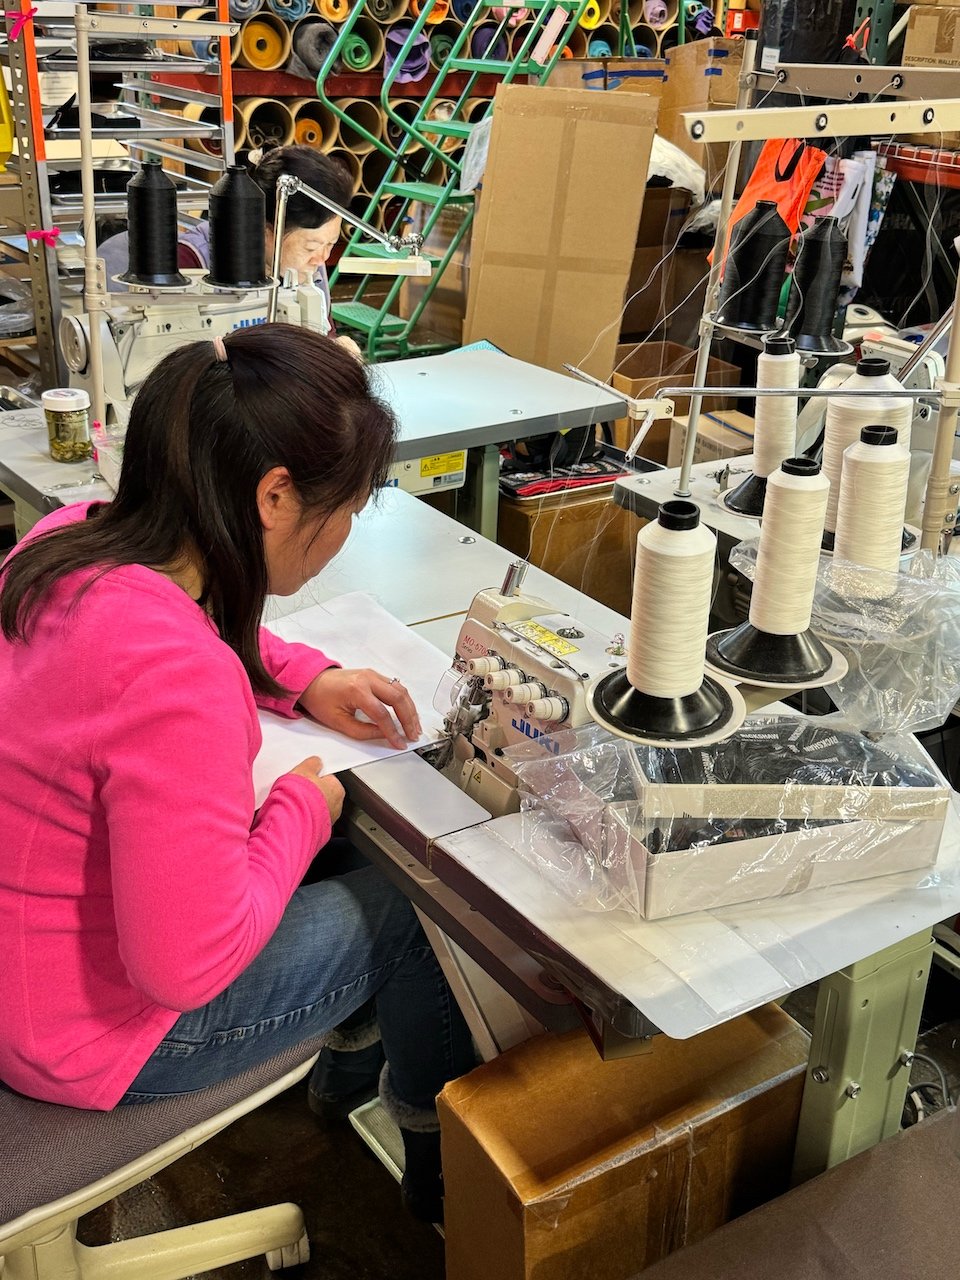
pixel 582 538
pixel 933 40
pixel 720 434
pixel 631 75
pixel 550 260
pixel 558 1166
pixel 650 288
pixel 701 76
pixel 887 1214
pixel 642 370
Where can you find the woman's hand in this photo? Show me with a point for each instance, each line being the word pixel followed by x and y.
pixel 328 786
pixel 334 697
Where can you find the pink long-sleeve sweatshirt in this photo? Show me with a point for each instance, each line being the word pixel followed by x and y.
pixel 136 879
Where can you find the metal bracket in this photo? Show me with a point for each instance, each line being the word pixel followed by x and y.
pixel 882 119
pixel 831 81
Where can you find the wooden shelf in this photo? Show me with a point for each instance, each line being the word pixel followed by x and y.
pixel 278 84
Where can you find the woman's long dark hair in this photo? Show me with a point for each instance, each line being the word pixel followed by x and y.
pixel 322 172
pixel 202 434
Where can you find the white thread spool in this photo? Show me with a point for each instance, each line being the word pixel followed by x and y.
pixel 789 553
pixel 672 589
pixel 873 497
pixel 845 419
pixel 775 431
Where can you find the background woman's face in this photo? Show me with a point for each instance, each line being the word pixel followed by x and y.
pixel 306 249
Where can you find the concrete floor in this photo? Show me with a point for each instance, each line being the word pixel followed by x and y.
pixel 357 1227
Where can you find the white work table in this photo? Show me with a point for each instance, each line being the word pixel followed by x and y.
pixel 470 399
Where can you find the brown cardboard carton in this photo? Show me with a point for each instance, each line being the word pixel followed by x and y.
pixel 701 76
pixel 889 1212
pixel 664 211
pixel 549 264
pixel 641 370
pixel 559 1166
pixel 723 434
pixel 933 40
pixel 631 75
pixel 650 291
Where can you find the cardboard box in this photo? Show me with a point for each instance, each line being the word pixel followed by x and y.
pixel 723 434
pixel 550 260
pixel 889 1213
pixel 583 539
pixel 641 370
pixel 932 40
pixel 631 75
pixel 558 1166
pixel 701 76
pixel 650 288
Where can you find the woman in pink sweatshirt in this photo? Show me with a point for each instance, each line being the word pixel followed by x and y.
pixel 154 933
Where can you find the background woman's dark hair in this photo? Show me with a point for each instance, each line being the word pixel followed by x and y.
pixel 311 166
pixel 202 434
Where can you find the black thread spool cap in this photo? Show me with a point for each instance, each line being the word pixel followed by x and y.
pixel 812 306
pixel 237 226
pixel 678 514
pixel 873 367
pixel 878 434
pixel 754 269
pixel 152 230
pixel 779 344
pixel 800 467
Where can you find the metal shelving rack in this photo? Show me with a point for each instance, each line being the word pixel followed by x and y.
pixel 30 206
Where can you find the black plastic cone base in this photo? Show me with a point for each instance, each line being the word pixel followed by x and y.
pixel 907 540
pixel 711 713
pixel 262 283
pixel 821 344
pixel 748 654
pixel 172 280
pixel 747 498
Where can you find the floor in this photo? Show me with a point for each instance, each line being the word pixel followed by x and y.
pixel 357 1228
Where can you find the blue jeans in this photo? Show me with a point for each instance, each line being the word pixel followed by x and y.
pixel 342 940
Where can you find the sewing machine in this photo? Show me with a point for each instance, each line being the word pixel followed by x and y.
pixel 139 328
pixel 524 670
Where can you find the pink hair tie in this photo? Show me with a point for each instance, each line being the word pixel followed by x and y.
pixel 220 349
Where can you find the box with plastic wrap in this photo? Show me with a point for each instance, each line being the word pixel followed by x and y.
pixel 786 804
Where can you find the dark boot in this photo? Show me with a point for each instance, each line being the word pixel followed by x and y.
pixel 422 1184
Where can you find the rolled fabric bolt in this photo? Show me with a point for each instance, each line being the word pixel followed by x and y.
pixel 485 43
pixel 417 62
pixel 655 12
pixel 332 10
pixel 265 43
pixel 599 49
pixel 382 10
pixel 313 38
pixel 356 53
pixel 290 10
pixel 441 46
pixel 462 9
pixel 240 10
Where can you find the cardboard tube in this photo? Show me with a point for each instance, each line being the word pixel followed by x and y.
pixel 208 48
pixel 266 119
pixel 647 37
pixel 439 12
pixel 635 12
pixel 373 170
pixel 332 10
pixel 366 35
pixel 351 163
pixel 265 43
pixel 365 113
pixel 406 109
pixel 667 38
pixel 576 46
pixel 314 124
pixel 475 108
pixel 211 115
pixel 442 109
pixel 595 14
pixel 517 37
pixel 602 42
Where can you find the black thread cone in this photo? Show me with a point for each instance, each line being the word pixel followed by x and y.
pixel 152 230
pixel 760 656
pixel 812 306
pixel 747 498
pixel 624 709
pixel 754 269
pixel 237 226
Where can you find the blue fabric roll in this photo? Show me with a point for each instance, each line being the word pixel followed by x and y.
pixel 462 9
pixel 240 10
pixel 599 49
pixel 290 10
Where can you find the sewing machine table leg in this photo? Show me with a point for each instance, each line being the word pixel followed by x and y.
pixel 867 1020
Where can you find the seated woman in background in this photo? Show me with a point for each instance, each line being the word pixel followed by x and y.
pixel 311 232
pixel 148 913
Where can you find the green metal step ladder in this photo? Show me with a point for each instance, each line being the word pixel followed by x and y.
pixel 424 167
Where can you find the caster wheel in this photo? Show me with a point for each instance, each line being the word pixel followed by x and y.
pixel 290 1255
